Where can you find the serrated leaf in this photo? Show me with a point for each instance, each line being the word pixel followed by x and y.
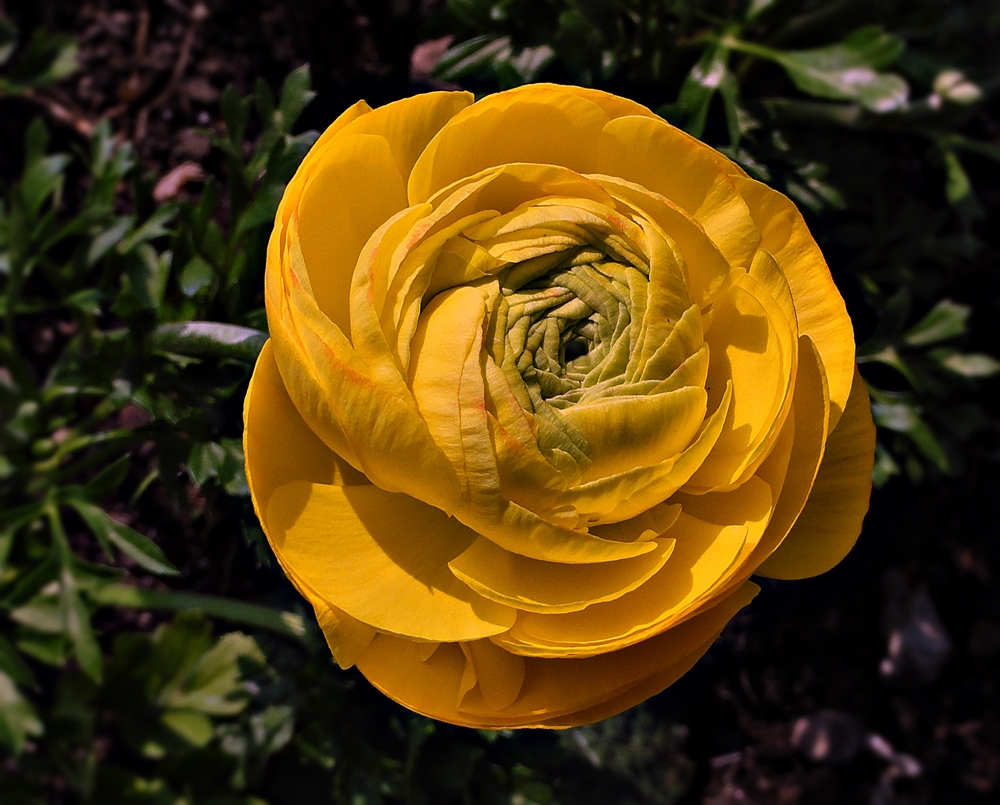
pixel 144 281
pixel 204 462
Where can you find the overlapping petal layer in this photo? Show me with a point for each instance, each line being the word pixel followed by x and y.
pixel 548 381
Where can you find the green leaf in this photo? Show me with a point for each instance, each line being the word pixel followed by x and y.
pixel 207 339
pixel 904 418
pixel 109 238
pixel 12 664
pixel 156 226
pixel 141 550
pixel 18 719
pixel 296 95
pixel 42 178
pixel 193 728
pixel 971 364
pixel 109 479
pixel 704 80
pixel 255 616
pixel 204 462
pixel 197 275
pixel 849 70
pixel 144 281
pixel 8 40
pixel 946 320
pixel 473 57
pixel 41 613
pixel 215 686
pixel 958 188
pixel 76 620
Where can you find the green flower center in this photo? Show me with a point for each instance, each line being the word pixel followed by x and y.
pixel 566 324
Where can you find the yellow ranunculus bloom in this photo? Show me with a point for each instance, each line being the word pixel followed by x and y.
pixel 548 380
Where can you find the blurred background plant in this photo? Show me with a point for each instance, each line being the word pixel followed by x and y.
pixel 151 651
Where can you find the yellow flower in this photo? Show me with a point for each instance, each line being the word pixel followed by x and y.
pixel 548 380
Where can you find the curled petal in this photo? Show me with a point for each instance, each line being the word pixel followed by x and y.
pixel 830 523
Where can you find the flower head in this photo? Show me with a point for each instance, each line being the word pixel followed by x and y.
pixel 548 381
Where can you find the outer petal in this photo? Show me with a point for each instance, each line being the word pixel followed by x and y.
pixel 704 553
pixel 819 306
pixel 831 520
pixel 634 149
pixel 278 445
pixel 539 124
pixel 794 472
pixel 409 124
pixel 338 539
pixel 555 693
pixel 355 189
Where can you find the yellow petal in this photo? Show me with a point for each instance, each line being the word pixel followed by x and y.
pixel 499 674
pixel 706 269
pixel 819 306
pixel 626 432
pixel 830 523
pixel 409 124
pixel 373 425
pixel 633 149
pixel 536 586
pixel 554 693
pixel 626 494
pixel 338 539
pixel 448 385
pixel 348 116
pixel 702 555
pixel 751 346
pixel 347 637
pixel 352 193
pixel 794 471
pixel 526 533
pixel 545 126
pixel 278 446
pixel 314 158
pixel 613 105
pixel 712 624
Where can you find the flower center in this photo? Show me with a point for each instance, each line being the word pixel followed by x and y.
pixel 567 323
